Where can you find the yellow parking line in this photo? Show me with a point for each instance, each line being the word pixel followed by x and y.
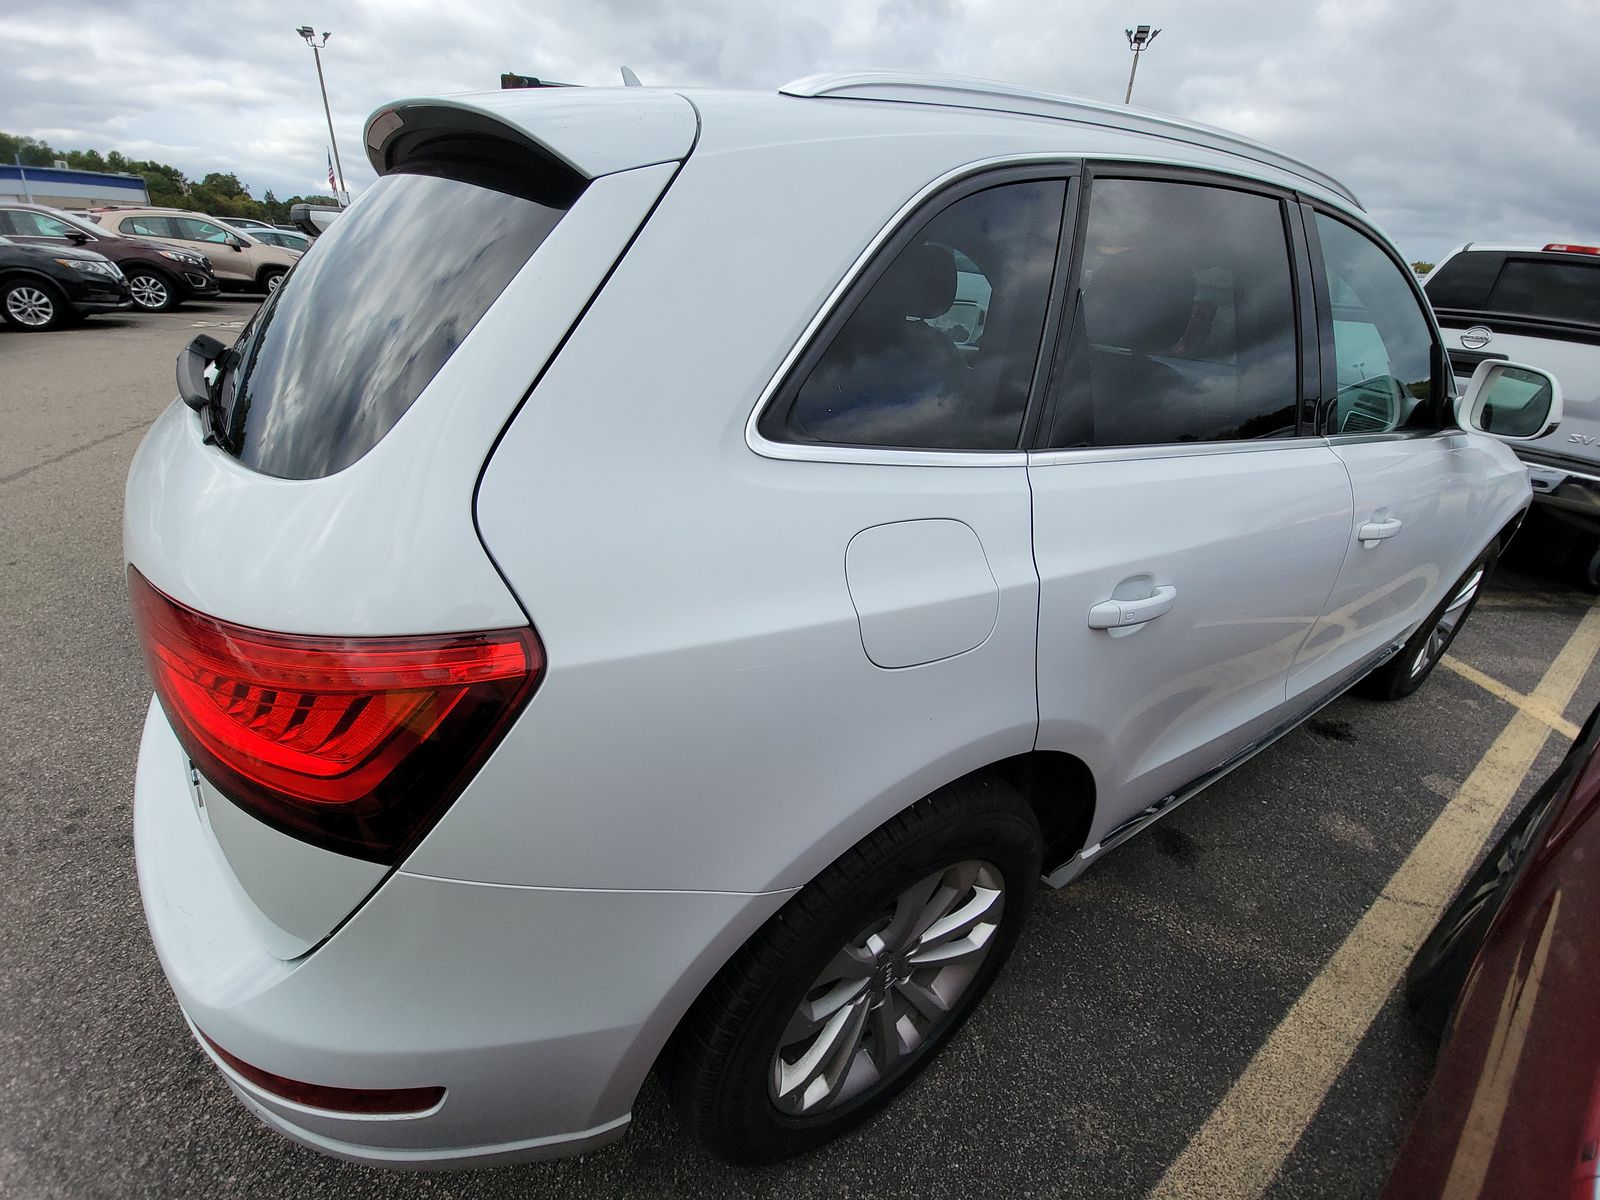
pixel 1528 704
pixel 1247 1137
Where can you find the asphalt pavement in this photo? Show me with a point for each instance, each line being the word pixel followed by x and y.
pixel 1135 1000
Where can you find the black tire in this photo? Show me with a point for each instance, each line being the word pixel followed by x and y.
pixel 720 1067
pixel 1438 972
pixel 21 300
pixel 269 278
pixel 1409 669
pixel 152 291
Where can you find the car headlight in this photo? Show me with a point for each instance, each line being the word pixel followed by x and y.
pixel 188 260
pixel 92 267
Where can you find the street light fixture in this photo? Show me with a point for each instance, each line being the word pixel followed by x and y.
pixel 310 36
pixel 1139 40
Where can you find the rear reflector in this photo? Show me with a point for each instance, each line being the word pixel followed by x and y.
pixel 356 745
pixel 365 1101
pixel 1569 248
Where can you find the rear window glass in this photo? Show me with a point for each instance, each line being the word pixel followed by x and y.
pixel 1464 280
pixel 340 351
pixel 1547 288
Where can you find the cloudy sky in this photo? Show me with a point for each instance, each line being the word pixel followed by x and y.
pixel 1452 119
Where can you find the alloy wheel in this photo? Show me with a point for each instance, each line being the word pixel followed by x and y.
pixel 1444 628
pixel 888 989
pixel 148 291
pixel 273 281
pixel 29 306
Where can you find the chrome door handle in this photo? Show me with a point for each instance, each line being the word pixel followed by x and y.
pixel 1119 614
pixel 1373 532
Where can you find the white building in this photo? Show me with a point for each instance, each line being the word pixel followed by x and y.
pixel 61 187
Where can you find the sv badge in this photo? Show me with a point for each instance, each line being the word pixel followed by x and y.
pixel 1583 439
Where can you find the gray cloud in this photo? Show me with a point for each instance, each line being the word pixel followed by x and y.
pixel 1452 120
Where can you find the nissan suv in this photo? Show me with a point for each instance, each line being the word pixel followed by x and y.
pixel 159 277
pixel 1537 304
pixel 546 690
pixel 242 262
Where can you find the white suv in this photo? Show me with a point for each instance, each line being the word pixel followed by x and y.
pixel 1537 304
pixel 670 574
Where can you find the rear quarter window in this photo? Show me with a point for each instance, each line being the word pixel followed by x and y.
pixel 1464 280
pixel 357 330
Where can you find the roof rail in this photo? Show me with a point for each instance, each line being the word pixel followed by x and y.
pixel 961 92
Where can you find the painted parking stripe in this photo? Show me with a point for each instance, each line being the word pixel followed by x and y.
pixel 1529 705
pixel 1247 1137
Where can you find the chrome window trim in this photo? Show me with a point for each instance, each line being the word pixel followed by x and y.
pixel 889 456
pixel 1076 454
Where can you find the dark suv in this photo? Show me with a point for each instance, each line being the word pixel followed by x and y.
pixel 160 277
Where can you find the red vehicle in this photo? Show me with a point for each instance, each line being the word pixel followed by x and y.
pixel 1511 976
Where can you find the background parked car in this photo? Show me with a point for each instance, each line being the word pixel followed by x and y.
pixel 44 289
pixel 1512 972
pixel 288 239
pixel 313 219
pixel 1539 305
pixel 159 277
pixel 241 263
pixel 248 224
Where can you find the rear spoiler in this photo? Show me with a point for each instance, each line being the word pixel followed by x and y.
pixel 589 132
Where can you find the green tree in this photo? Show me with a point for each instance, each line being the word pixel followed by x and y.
pixel 1422 268
pixel 33 153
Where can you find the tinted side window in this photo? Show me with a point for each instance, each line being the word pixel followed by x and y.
pixel 160 227
pixel 1383 345
pixel 31 224
pixel 940 352
pixel 1547 288
pixel 195 230
pixel 1464 280
pixel 1185 326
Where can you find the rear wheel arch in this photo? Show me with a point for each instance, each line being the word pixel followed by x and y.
pixel 1058 787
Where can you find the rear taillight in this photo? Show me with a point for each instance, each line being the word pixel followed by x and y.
pixel 354 744
pixel 1569 248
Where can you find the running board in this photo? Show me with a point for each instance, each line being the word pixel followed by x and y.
pixel 1080 862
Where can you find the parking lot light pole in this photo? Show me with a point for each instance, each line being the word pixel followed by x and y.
pixel 1139 40
pixel 309 34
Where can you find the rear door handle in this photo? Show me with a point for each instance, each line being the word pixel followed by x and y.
pixel 1373 532
pixel 1119 614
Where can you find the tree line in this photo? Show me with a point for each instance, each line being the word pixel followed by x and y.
pixel 221 194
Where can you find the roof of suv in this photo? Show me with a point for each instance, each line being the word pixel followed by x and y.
pixel 597 131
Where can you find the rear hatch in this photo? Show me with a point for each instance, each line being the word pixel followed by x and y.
pixel 329 640
pixel 1541 308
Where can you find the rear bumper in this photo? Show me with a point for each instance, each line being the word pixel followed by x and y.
pixel 538 1010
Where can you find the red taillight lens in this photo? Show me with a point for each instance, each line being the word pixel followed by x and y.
pixel 366 1101
pixel 1569 248
pixel 353 744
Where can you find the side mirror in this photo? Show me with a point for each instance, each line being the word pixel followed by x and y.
pixel 77 237
pixel 236 243
pixel 1510 402
pixel 193 362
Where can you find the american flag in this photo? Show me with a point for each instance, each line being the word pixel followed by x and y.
pixel 331 184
